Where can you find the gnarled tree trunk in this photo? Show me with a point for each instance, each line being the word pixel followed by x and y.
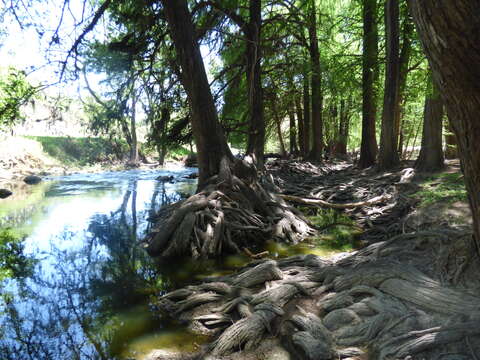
pixel 231 209
pixel 209 137
pixel 449 31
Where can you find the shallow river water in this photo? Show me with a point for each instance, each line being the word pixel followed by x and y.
pixel 89 287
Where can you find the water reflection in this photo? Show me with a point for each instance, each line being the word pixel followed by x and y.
pixel 89 294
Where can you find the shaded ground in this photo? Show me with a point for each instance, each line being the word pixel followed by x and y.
pixel 411 292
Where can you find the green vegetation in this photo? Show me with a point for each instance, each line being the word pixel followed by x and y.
pixel 81 151
pixel 15 91
pixel 446 187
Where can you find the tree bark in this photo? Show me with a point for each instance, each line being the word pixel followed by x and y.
pixel 209 137
pixel 301 130
pixel 316 84
pixel 133 128
pixel 407 33
pixel 306 115
pixel 388 156
pixel 451 151
pixel 344 126
pixel 293 132
pixel 431 153
pixel 449 31
pixel 256 134
pixel 369 147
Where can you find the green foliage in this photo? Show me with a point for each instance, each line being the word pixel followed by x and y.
pixel 13 262
pixel 15 91
pixel 446 187
pixel 81 151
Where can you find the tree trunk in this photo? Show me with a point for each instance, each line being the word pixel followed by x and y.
pixel 449 33
pixel 256 134
pixel 278 126
pixel 451 151
pixel 209 137
pixel 343 128
pixel 301 130
pixel 369 148
pixel 293 132
pixel 388 156
pixel 133 129
pixel 431 153
pixel 306 115
pixel 407 33
pixel 316 84
pixel 161 129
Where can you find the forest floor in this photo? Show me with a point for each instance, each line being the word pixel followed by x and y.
pixel 409 291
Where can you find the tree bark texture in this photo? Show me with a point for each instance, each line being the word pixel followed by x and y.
pixel 407 34
pixel 449 31
pixel 133 128
pixel 431 153
pixel 306 115
pixel 256 134
pixel 301 131
pixel 369 147
pixel 209 137
pixel 344 126
pixel 293 132
pixel 451 148
pixel 388 156
pixel 316 84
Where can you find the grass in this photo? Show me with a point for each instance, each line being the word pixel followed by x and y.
pixel 81 151
pixel 445 187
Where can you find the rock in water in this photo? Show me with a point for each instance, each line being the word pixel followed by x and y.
pixel 32 179
pixel 191 176
pixel 4 193
pixel 165 178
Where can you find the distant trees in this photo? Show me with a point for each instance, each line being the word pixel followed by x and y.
pixel 431 157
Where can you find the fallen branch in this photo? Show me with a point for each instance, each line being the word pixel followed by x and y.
pixel 322 203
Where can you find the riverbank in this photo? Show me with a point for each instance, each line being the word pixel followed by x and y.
pixel 55 156
pixel 392 298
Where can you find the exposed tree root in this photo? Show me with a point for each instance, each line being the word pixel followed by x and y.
pixel 233 211
pixel 368 305
pixel 325 204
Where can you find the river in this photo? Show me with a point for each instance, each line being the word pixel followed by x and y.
pixel 85 289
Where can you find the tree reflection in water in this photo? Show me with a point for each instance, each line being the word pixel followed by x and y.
pixel 90 301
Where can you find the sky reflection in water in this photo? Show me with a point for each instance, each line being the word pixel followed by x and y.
pixel 88 297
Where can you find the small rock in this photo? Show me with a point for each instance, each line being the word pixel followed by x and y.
pixel 4 193
pixel 32 180
pixel 165 178
pixel 191 176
